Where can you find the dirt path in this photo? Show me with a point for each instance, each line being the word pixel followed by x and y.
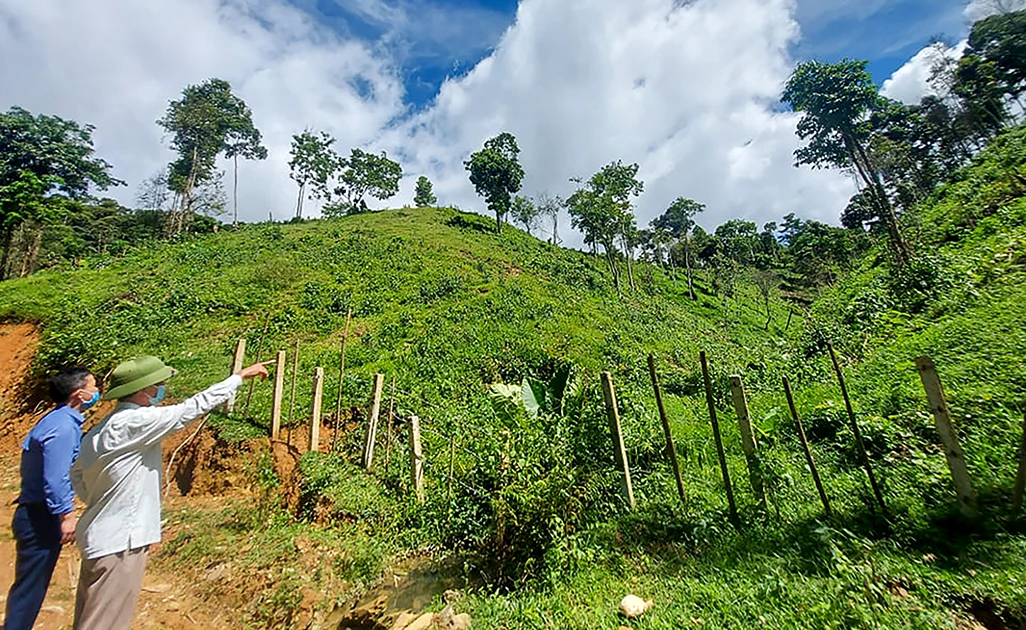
pixel 166 601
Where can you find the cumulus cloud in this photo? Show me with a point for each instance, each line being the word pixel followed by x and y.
pixel 911 82
pixel 687 89
pixel 979 9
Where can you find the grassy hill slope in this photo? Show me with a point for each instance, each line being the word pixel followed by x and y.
pixel 447 306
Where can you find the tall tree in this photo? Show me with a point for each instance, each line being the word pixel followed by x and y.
pixel 363 174
pixel 549 207
pixel 835 100
pixel 601 209
pixel 202 124
pixel 1001 40
pixel 678 221
pixel 44 160
pixel 496 174
pixel 311 165
pixel 424 197
pixel 243 141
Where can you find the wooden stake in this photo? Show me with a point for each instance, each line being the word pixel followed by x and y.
pixel 716 436
pixel 237 360
pixel 619 452
pixel 671 450
pixel 744 421
pixel 416 459
pixel 448 489
pixel 1020 474
pixel 292 396
pixel 372 424
pixel 952 449
pixel 252 382
pixel 341 376
pixel 388 427
pixel 859 444
pixel 279 394
pixel 805 447
pixel 315 412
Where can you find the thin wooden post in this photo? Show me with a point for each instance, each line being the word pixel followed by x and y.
pixel 388 426
pixel 237 361
pixel 341 376
pixel 619 452
pixel 372 424
pixel 292 396
pixel 279 394
pixel 416 459
pixel 718 438
pixel 805 447
pixel 448 485
pixel 1020 474
pixel 259 349
pixel 859 444
pixel 952 449
pixel 315 412
pixel 748 443
pixel 671 450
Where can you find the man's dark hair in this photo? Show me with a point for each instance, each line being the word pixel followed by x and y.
pixel 63 383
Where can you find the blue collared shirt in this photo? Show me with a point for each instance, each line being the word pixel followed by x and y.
pixel 46 458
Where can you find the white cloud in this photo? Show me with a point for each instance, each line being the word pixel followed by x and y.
pixel 979 9
pixel 688 90
pixel 911 82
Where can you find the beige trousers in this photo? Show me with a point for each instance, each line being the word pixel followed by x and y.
pixel 108 590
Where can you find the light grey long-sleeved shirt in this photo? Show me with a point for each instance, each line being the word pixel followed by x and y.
pixel 118 471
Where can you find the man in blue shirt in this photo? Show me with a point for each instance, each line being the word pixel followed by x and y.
pixel 43 521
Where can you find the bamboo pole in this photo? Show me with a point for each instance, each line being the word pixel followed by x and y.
pixel 278 395
pixel 718 438
pixel 416 459
pixel 341 376
pixel 292 396
pixel 748 443
pixel 315 411
pixel 859 444
pixel 952 449
pixel 805 447
pixel 671 450
pixel 252 383
pixel 237 361
pixel 388 427
pixel 619 452
pixel 372 425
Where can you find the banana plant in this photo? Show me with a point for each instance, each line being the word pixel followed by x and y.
pixel 535 397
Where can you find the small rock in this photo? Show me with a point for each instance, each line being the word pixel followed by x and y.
pixel 403 620
pixel 422 623
pixel 172 606
pixel 157 588
pixel 57 610
pixel 632 606
pixel 460 622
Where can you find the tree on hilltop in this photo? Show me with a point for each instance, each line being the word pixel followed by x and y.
pixel 424 197
pixel 497 174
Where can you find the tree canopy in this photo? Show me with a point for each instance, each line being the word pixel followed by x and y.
pixel 496 174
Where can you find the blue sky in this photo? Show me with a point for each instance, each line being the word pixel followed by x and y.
pixel 435 39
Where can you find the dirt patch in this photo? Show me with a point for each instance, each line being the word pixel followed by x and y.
pixel 18 344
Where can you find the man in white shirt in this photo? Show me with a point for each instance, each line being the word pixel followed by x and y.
pixel 117 474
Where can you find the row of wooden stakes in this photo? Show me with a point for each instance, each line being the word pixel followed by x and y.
pixel 938 405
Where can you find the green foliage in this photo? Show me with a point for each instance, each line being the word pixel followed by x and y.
pixel 424 197
pixel 363 174
pixel 312 164
pixel 496 173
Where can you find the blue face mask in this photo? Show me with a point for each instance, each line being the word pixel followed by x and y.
pixel 95 398
pixel 161 391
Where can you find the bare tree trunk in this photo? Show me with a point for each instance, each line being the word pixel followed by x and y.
pixel 28 261
pixel 612 268
pixel 299 201
pixel 872 180
pixel 687 266
pixel 498 222
pixel 630 271
pixel 235 191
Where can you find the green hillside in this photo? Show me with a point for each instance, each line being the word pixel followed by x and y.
pixel 446 306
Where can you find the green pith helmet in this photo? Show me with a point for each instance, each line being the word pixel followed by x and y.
pixel 135 375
